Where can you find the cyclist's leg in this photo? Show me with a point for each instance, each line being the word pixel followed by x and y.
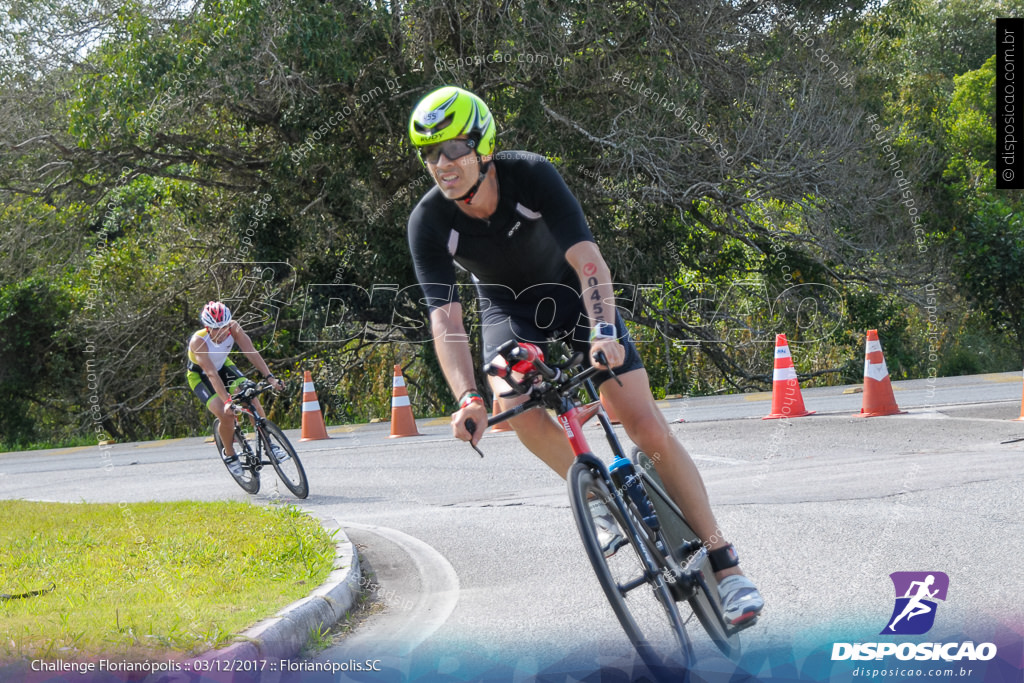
pixel 503 321
pixel 537 431
pixel 634 405
pixel 646 427
pixel 232 378
pixel 204 392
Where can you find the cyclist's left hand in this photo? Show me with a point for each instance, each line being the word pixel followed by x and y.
pixel 613 351
pixel 276 384
pixel 474 411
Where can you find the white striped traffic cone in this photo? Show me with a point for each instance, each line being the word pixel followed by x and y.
pixel 786 398
pixel 313 427
pixel 402 421
pixel 878 397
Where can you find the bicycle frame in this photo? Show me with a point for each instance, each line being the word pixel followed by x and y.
pixel 266 439
pixel 571 418
pixel 245 407
pixel 257 420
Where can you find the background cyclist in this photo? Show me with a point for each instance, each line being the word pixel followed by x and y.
pixel 213 377
pixel 511 221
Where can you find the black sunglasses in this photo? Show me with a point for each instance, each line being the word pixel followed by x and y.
pixel 452 149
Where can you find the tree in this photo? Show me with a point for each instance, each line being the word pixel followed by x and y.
pixel 987 236
pixel 37 361
pixel 160 154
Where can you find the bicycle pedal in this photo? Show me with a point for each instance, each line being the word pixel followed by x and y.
pixel 736 628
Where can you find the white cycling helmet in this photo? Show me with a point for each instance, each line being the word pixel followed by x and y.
pixel 215 315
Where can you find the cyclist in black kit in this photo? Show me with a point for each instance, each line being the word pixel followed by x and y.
pixel 510 220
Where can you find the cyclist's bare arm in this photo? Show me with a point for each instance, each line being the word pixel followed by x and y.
pixel 246 347
pixel 198 346
pixel 453 353
pixel 598 295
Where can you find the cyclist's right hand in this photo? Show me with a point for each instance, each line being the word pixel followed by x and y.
pixel 229 405
pixel 474 411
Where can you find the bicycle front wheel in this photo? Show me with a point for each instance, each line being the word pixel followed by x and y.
pixel 632 579
pixel 249 479
pixel 284 459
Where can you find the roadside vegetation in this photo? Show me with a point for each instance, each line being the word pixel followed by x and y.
pixel 750 168
pixel 148 580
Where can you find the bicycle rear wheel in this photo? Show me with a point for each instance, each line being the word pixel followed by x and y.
pixel 706 602
pixel 289 467
pixel 249 480
pixel 631 578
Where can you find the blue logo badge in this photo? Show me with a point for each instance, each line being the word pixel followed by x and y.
pixel 916 593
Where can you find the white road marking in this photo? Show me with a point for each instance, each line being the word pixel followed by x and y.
pixel 440 593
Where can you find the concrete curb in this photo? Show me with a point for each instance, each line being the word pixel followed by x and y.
pixel 283 635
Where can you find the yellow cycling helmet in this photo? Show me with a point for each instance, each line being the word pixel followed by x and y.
pixel 451 112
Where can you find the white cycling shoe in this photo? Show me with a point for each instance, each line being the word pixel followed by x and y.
pixel 741 600
pixel 609 536
pixel 280 454
pixel 233 463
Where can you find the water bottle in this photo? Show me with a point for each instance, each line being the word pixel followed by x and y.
pixel 626 479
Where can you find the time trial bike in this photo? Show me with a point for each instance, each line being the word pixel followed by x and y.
pixel 623 504
pixel 261 442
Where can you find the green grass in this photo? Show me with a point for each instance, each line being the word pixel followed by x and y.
pixel 149 580
pixel 68 442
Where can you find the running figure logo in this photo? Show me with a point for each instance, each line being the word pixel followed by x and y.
pixel 916 593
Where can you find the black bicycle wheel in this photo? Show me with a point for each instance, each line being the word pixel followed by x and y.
pixel 634 584
pixel 249 480
pixel 706 604
pixel 289 468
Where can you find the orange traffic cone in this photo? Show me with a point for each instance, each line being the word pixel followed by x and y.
pixel 878 396
pixel 313 427
pixel 502 426
pixel 402 421
pixel 612 417
pixel 1021 418
pixel 786 398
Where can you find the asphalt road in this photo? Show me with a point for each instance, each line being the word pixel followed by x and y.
pixel 477 567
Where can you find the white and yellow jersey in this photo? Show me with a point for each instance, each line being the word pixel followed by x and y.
pixel 218 353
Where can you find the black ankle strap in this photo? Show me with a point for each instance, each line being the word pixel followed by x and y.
pixel 723 558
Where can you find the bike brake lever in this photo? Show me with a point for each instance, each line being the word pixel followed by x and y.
pixel 471 428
